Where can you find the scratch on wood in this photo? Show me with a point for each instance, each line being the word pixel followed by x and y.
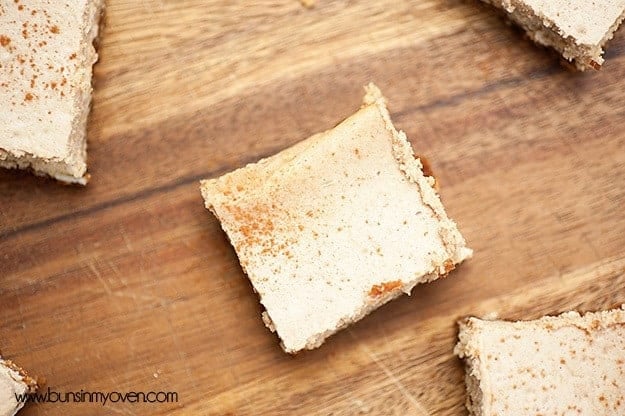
pixel 97 274
pixel 125 238
pixel 117 273
pixel 182 356
pixel 124 411
pixel 553 288
pixel 591 245
pixel 135 297
pixel 421 411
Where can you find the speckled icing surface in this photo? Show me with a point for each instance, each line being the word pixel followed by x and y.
pixel 46 58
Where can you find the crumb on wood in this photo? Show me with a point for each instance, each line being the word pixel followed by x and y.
pixel 309 4
pixel 594 65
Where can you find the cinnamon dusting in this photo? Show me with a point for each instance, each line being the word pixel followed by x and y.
pixel 449 266
pixel 257 228
pixel 386 287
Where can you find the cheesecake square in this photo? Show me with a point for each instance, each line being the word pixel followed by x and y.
pixel 15 385
pixel 577 29
pixel 335 226
pixel 569 364
pixel 46 58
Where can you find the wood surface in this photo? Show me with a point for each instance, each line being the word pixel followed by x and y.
pixel 129 284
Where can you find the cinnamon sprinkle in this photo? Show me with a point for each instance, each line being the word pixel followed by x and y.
pixel 449 266
pixel 386 287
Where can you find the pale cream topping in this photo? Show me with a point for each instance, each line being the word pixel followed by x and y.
pixel 335 226
pixel 11 384
pixel 46 57
pixel 587 22
pixel 568 364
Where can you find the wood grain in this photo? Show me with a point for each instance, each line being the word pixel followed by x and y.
pixel 129 284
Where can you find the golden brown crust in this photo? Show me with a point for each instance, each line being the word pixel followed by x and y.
pixel 26 379
pixel 428 171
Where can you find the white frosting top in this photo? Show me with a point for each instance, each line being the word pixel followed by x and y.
pixel 586 21
pixel 41 65
pixel 10 385
pixel 564 365
pixel 332 225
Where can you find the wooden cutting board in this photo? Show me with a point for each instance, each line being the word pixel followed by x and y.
pixel 130 285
